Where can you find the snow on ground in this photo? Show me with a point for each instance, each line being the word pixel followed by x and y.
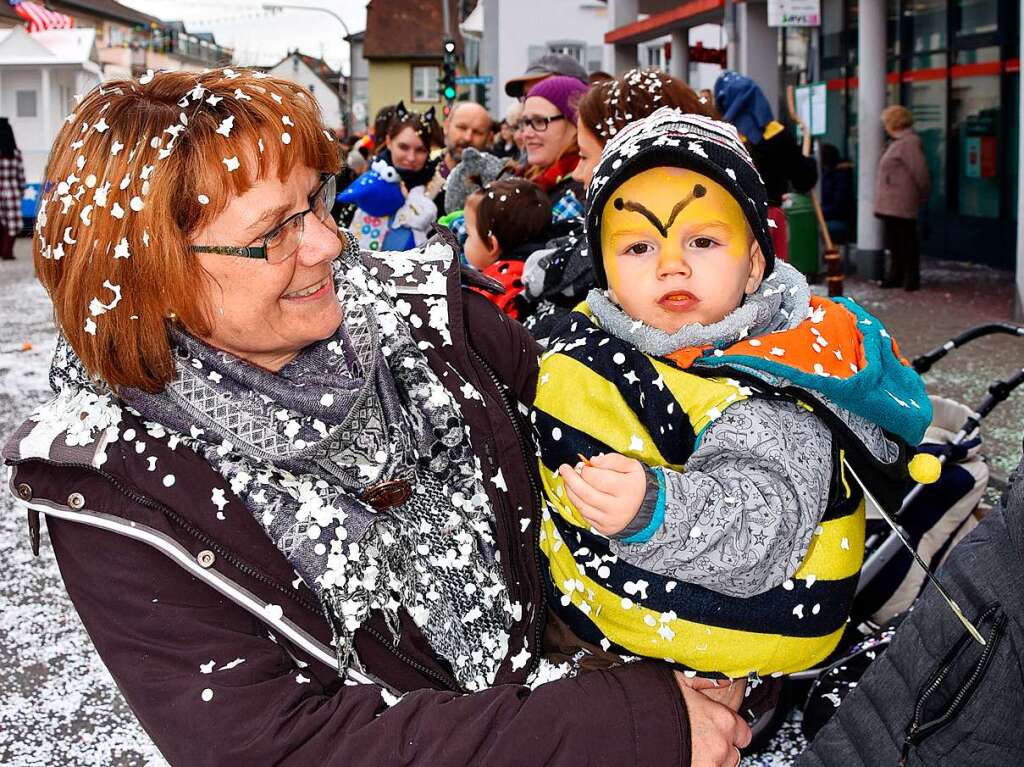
pixel 58 704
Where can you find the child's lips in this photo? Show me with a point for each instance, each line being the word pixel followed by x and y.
pixel 678 301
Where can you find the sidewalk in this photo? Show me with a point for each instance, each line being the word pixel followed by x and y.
pixel 953 297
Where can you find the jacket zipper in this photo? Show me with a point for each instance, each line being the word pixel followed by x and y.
pixel 918 732
pixel 236 563
pixel 513 417
pixel 199 535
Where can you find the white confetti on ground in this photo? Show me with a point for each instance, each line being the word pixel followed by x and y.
pixel 58 704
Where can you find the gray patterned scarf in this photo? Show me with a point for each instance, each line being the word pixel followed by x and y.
pixel 299 447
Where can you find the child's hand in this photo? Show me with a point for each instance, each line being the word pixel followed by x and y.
pixel 608 492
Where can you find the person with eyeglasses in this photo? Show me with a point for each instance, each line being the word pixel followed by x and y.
pixel 548 125
pixel 286 483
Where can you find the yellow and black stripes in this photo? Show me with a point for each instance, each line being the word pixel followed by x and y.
pixel 623 401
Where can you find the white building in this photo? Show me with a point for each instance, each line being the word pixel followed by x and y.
pixel 40 74
pixel 516 33
pixel 326 85
pixel 358 83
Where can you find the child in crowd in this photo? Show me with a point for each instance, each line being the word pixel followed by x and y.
pixel 506 221
pixel 695 416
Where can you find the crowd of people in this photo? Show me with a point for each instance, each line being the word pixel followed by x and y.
pixel 523 444
pixel 551 138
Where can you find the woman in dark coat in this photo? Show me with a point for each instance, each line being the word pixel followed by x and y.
pixel 12 186
pixel 286 482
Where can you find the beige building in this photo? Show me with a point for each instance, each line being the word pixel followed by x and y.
pixel 402 44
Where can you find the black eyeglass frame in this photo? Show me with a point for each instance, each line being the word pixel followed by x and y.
pixel 260 251
pixel 545 121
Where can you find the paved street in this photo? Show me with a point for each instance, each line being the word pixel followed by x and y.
pixel 59 706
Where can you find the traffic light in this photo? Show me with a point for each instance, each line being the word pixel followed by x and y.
pixel 449 89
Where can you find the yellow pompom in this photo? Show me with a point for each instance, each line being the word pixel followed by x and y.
pixel 925 468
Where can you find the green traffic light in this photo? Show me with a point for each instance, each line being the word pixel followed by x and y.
pixel 450 93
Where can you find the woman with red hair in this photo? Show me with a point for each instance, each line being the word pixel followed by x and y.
pixel 286 486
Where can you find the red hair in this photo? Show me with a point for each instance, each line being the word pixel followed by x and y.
pixel 138 167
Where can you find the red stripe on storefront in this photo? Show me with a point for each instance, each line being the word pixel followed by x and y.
pixel 935 73
pixel 921 75
pixel 660 23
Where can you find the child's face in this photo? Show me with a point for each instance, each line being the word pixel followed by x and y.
pixel 480 252
pixel 677 249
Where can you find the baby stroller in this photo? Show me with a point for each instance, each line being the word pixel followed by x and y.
pixel 933 519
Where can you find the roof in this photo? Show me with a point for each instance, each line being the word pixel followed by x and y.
pixel 109 9
pixel 408 29
pixel 319 67
pixel 54 46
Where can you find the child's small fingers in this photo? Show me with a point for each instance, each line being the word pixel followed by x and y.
pixel 607 481
pixel 582 488
pixel 616 462
pixel 589 512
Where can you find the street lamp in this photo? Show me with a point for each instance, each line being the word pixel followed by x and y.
pixel 346 102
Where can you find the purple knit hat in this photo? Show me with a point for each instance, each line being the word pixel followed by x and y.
pixel 563 92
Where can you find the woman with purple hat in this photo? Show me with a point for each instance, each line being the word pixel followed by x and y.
pixel 548 123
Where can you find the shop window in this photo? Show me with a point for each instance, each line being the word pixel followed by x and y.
pixel 424 83
pixel 25 104
pixel 927 100
pixel 975 17
pixel 975 126
pixel 925 21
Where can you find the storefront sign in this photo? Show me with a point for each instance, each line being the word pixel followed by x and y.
pixel 794 13
pixel 810 107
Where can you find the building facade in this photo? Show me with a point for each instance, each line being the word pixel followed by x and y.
pixel 954 63
pixel 514 34
pixel 326 85
pixel 403 50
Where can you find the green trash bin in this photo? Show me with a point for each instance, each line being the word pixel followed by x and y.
pixel 803 234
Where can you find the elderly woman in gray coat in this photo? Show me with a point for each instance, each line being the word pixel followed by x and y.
pixel 902 186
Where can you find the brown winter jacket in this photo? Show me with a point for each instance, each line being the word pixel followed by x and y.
pixel 184 603
pixel 902 184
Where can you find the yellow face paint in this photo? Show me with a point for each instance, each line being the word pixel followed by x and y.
pixel 669 206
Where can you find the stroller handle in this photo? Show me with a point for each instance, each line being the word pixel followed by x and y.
pixel 924 363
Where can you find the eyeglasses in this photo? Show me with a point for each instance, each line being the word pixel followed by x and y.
pixel 539 124
pixel 282 242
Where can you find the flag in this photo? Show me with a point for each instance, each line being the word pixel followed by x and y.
pixel 40 18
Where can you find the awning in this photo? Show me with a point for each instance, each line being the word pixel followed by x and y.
pixel 54 46
pixel 683 16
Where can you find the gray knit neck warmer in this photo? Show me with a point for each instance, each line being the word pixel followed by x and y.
pixel 780 303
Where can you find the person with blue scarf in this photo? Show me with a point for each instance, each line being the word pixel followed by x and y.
pixel 774 149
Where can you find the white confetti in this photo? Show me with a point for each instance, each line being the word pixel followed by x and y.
pixel 168 480
pixel 121 250
pixel 207 695
pixel 226 125
pixel 231 163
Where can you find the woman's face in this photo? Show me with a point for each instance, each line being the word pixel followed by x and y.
pixel 408 152
pixel 544 147
pixel 590 153
pixel 262 312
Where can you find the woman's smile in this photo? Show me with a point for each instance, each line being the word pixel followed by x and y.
pixel 312 292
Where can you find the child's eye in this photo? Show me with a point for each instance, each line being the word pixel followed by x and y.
pixel 703 242
pixel 638 249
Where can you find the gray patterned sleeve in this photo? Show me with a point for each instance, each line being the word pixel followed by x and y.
pixel 740 518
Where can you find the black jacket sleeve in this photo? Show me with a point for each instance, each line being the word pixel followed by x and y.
pixel 211 687
pixel 505 345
